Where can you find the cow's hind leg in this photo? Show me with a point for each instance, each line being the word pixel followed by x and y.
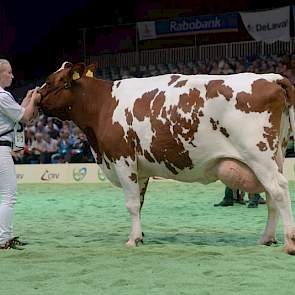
pixel 130 184
pixel 279 193
pixel 269 235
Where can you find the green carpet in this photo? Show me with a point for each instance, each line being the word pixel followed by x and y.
pixel 77 235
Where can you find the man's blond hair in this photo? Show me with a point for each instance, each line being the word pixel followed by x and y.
pixel 2 62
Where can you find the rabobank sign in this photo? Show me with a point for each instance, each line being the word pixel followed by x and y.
pixel 195 25
pixel 200 24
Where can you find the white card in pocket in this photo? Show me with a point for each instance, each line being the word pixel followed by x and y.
pixel 19 137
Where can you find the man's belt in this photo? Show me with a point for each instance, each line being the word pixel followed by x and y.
pixel 5 143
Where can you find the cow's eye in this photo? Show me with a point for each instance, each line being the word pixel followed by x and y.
pixel 67 84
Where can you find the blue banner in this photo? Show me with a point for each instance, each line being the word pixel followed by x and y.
pixel 197 24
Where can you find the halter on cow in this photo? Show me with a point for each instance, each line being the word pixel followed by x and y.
pixel 202 128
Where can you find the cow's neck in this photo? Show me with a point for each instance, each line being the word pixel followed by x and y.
pixel 93 96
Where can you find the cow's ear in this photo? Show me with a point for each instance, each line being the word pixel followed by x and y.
pixel 77 71
pixel 90 70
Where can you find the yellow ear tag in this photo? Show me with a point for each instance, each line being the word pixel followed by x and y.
pixel 76 76
pixel 89 74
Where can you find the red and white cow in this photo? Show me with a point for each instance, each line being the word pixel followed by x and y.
pixel 200 128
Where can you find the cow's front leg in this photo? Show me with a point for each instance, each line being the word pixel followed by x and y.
pixel 269 235
pixel 131 188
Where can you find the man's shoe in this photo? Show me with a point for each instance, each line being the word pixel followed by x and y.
pixel 253 203
pixel 13 243
pixel 224 203
pixel 261 200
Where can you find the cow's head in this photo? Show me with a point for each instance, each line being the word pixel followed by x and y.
pixel 58 92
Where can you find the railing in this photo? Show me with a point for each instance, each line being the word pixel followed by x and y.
pixel 203 52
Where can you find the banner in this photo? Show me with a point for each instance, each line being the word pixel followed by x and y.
pixel 268 26
pixel 59 173
pixel 146 30
pixel 90 173
pixel 188 25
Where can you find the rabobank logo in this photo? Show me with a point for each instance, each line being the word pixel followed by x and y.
pixel 79 173
pixel 195 25
pixel 47 176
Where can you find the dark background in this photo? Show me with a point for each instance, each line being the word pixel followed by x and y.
pixel 37 36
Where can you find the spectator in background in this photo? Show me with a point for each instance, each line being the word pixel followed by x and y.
pixel 51 128
pixel 81 151
pixel 226 70
pixel 50 147
pixel 215 70
pixel 64 144
pixel 38 149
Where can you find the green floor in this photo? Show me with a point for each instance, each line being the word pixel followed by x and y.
pixel 77 234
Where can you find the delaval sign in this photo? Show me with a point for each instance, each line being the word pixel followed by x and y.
pixel 188 25
pixel 268 26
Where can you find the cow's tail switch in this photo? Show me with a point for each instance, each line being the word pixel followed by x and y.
pixel 292 121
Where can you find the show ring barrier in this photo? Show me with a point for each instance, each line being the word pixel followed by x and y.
pixel 87 173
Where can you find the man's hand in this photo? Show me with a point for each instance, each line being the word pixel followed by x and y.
pixel 36 97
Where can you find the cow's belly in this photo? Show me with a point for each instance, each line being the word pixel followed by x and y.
pixel 199 173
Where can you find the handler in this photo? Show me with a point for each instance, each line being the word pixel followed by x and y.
pixel 10 114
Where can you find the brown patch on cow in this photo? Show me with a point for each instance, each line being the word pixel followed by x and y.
pixel 164 113
pixel 180 83
pixel 134 141
pixel 265 97
pixel 214 123
pixel 224 131
pixel 166 145
pixel 187 101
pixel 91 137
pixel 118 84
pixel 173 79
pixel 262 146
pixel 129 117
pixel 158 103
pixel 107 164
pixel 290 90
pixel 133 177
pixel 148 156
pixel 201 114
pixel 142 105
pixel 216 87
pixel 114 142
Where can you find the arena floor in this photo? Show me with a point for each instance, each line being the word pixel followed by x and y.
pixel 77 234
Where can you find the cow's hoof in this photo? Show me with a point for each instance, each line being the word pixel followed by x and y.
pixel 267 242
pixel 289 250
pixel 134 243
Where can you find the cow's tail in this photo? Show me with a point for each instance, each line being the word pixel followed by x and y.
pixel 290 100
pixel 292 121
